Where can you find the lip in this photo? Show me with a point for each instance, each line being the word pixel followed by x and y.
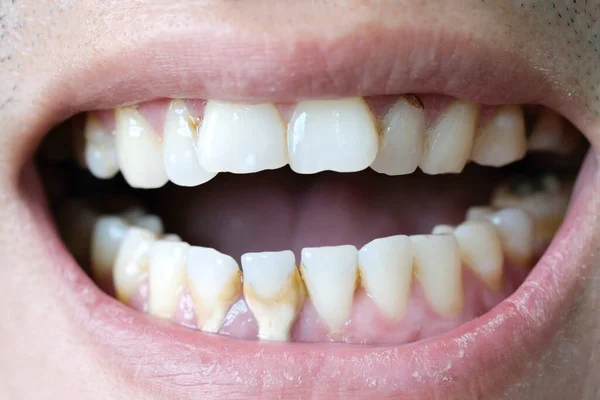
pixel 162 358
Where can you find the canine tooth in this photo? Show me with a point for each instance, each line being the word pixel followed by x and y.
pixel 449 142
pixel 401 142
pixel 274 292
pixel 109 231
pixel 438 270
pixel 480 250
pixel 179 152
pixel 516 229
pixel 100 150
pixel 330 275
pixel 503 139
pixel 442 229
pixel 139 150
pixel 215 284
pixel 241 138
pixel 131 264
pixel 385 267
pixel 479 213
pixel 338 135
pixel 167 275
pixel 548 134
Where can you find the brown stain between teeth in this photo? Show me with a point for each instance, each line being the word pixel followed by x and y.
pixel 414 101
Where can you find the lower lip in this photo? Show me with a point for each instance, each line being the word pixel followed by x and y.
pixel 485 354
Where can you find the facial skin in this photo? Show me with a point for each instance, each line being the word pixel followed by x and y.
pixel 52 51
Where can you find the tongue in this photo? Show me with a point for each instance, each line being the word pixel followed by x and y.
pixel 280 210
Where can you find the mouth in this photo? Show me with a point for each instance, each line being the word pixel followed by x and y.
pixel 396 236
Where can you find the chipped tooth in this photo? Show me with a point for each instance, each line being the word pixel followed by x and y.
pixel 167 276
pixel 548 134
pixel 109 231
pixel 274 292
pixel 131 264
pixel 478 213
pixel 442 229
pixel 385 267
pixel 139 150
pixel 516 229
pixel 438 270
pixel 100 150
pixel 179 152
pixel 481 251
pixel 502 140
pixel 330 275
pixel 241 138
pixel 449 142
pixel 215 284
pixel 403 135
pixel 338 135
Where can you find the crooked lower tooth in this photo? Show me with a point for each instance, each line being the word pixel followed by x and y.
pixel 180 154
pixel 330 275
pixel 167 276
pixel 516 230
pixel 385 267
pixel 132 262
pixel 449 142
pixel 107 236
pixel 139 150
pixel 215 284
pixel 438 270
pixel 480 250
pixel 503 139
pixel 241 138
pixel 100 152
pixel 274 292
pixel 338 135
pixel 401 141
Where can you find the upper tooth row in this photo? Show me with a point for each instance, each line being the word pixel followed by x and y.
pixel 275 289
pixel 340 135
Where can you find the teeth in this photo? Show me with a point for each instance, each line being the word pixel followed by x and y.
pixel 502 140
pixel 153 223
pixel 139 150
pixel 401 144
pixel 241 138
pixel 386 272
pixel 330 275
pixel 131 264
pixel 108 233
pixel 274 292
pixel 215 284
pixel 442 229
pixel 180 155
pixel 516 230
pixel 100 150
pixel 479 213
pixel 438 270
pixel 448 144
pixel 548 134
pixel 167 276
pixel 480 250
pixel 337 135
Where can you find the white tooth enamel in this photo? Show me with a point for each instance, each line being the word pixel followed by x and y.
pixel 171 237
pixel 109 232
pixel 503 139
pixel 338 135
pixel 139 150
pixel 449 142
pixel 479 213
pixel 100 151
pixel 274 292
pixel 480 250
pixel 516 229
pixel 402 138
pixel 150 222
pixel 548 133
pixel 180 148
pixel 167 276
pixel 131 264
pixel 438 270
pixel 442 229
pixel 215 284
pixel 386 273
pixel 241 138
pixel 330 275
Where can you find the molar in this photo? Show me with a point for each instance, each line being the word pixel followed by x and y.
pixel 241 138
pixel 139 150
pixel 274 292
pixel 386 267
pixel 100 150
pixel 215 284
pixel 549 134
pixel 338 135
pixel 109 231
pixel 330 275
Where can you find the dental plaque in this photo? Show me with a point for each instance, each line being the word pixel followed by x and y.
pixel 377 220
